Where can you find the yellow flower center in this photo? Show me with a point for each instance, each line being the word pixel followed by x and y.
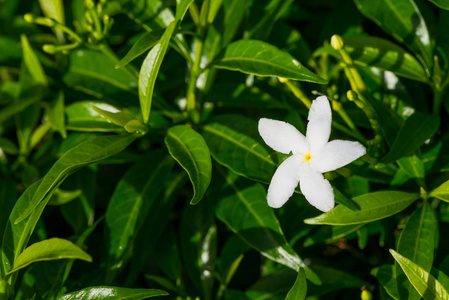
pixel 307 157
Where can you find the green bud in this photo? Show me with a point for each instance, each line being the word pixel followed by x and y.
pixel 352 96
pixel 90 4
pixel 336 105
pixel 29 18
pixel 366 295
pixel 50 49
pixel 337 42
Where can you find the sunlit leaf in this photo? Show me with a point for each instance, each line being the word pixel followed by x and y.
pixel 112 293
pixel 373 206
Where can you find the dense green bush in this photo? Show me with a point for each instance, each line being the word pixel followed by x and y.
pixel 133 162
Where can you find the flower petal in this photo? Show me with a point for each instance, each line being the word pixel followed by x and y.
pixel 315 188
pixel 336 154
pixel 282 136
pixel 319 126
pixel 284 181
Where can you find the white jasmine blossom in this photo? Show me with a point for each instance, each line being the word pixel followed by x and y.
pixel 313 155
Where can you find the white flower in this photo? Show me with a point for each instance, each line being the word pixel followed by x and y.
pixel 313 155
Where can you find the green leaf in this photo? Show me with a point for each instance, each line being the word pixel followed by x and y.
pixel 51 249
pixel 380 53
pixel 61 197
pixel 413 167
pixel 403 20
pixel 8 194
pixel 444 4
pixel 245 211
pixel 143 44
pixel 425 284
pixel 32 63
pixel 299 289
pixel 263 59
pixel 329 234
pixel 190 150
pixel 117 117
pixel 234 142
pixel 416 130
pixel 55 114
pixel 441 192
pixel 416 243
pixel 150 69
pixel 386 276
pixel 81 116
pixel 132 199
pixel 94 73
pixel 198 241
pixel 214 7
pixel 181 9
pixel 87 152
pixel 112 293
pixel 373 206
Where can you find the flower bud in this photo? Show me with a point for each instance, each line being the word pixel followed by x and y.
pixel 337 42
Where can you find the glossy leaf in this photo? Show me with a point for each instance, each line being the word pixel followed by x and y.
pixel 150 69
pixel 234 142
pixel 51 249
pixel 416 243
pixel 262 59
pixel 425 284
pixel 444 4
pixel 146 42
pixel 245 211
pixel 81 116
pixel 373 206
pixel 441 192
pixel 117 117
pixel 32 62
pixel 90 151
pixel 112 293
pixel 380 53
pixel 132 199
pixel 403 20
pixel 190 150
pixel 94 73
pixel 299 289
pixel 416 130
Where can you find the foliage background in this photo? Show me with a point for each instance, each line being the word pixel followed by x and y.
pixel 131 165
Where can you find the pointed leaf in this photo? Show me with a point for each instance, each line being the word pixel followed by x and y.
pixel 119 118
pixel 245 211
pixel 416 130
pixel 403 20
pixel 87 152
pixel 146 42
pixel 373 206
pixel 441 192
pixel 263 59
pixel 299 289
pixel 32 62
pixel 425 284
pixel 81 116
pixel 190 150
pixel 416 243
pixel 112 293
pixel 51 249
pixel 150 69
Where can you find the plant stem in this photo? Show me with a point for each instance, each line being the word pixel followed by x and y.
pixel 437 100
pixel 3 295
pixel 297 92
